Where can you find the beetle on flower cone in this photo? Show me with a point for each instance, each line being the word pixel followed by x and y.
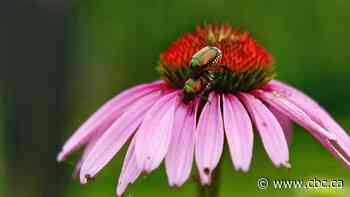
pixel 228 96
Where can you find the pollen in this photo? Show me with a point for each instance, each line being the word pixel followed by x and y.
pixel 276 94
pixel 240 51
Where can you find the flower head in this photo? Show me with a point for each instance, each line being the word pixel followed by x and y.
pixel 187 115
pixel 241 51
pixel 244 64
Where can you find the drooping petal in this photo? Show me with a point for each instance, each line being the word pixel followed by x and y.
pixel 319 115
pixel 179 158
pixel 130 171
pixel 285 123
pixel 333 149
pixel 315 111
pixel 281 104
pixel 209 138
pixel 86 152
pixel 116 136
pixel 105 116
pixel 154 135
pixel 239 132
pixel 284 106
pixel 269 129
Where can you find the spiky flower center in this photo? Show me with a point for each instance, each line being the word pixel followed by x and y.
pixel 244 65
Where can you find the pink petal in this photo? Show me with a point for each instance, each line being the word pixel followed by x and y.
pixel 316 112
pixel 239 132
pixel 105 116
pixel 270 130
pixel 130 171
pixel 285 123
pixel 210 138
pixel 281 104
pixel 116 136
pixel 86 152
pixel 153 137
pixel 179 158
pixel 333 149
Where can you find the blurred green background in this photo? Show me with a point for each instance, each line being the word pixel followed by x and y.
pixel 65 59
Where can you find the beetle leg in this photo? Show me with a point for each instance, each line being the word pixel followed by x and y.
pixel 206 89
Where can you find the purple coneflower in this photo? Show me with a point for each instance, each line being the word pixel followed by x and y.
pixel 187 114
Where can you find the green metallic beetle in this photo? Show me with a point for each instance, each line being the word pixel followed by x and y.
pixel 201 79
pixel 206 56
